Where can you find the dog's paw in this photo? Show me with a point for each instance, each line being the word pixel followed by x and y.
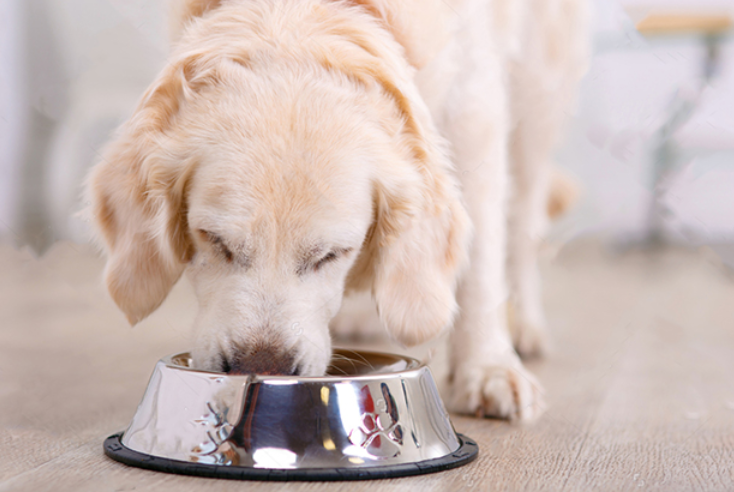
pixel 506 390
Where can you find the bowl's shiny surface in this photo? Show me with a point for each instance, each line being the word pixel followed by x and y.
pixel 375 410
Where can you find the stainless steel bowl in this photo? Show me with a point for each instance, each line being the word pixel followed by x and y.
pixel 375 415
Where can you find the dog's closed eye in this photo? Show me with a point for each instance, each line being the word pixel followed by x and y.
pixel 331 256
pixel 218 243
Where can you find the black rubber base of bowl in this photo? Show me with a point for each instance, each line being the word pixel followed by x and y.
pixel 114 448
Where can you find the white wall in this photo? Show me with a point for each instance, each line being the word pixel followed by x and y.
pixel 12 109
pixel 71 70
pixel 612 136
pixel 75 69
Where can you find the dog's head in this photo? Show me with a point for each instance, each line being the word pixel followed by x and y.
pixel 276 185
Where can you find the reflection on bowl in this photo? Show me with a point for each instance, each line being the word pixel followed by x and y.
pixel 374 415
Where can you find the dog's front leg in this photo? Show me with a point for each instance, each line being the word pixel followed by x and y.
pixel 487 377
pixel 527 219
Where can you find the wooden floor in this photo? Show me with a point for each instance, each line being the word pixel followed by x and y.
pixel 640 386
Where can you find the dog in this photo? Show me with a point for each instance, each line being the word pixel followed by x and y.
pixel 295 150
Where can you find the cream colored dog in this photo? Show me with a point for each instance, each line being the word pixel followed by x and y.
pixel 295 149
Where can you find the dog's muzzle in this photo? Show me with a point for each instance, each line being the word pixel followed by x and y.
pixel 267 360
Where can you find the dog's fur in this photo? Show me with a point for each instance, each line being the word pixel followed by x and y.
pixel 293 150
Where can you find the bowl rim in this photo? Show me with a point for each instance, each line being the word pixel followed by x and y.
pixel 467 452
pixel 414 366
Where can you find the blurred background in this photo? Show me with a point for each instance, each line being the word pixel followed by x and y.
pixel 639 385
pixel 652 138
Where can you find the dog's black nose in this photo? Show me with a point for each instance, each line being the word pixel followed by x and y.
pixel 261 360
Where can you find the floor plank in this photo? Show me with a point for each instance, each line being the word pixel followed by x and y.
pixel 640 384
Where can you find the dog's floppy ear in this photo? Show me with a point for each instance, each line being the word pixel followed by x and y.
pixel 137 193
pixel 420 26
pixel 421 239
pixel 418 244
pixel 183 12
